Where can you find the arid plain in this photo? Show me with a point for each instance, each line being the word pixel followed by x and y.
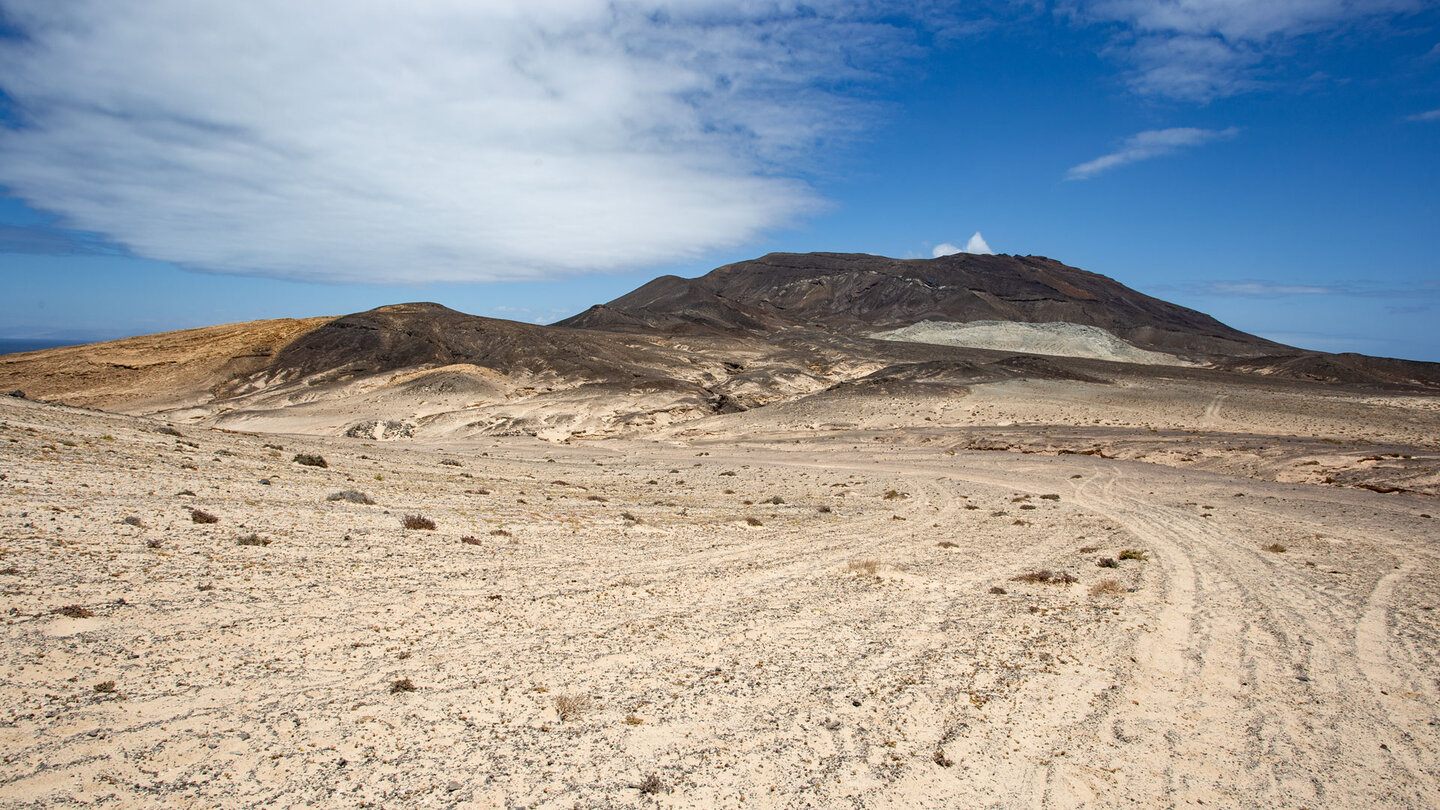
pixel 750 610
pixel 714 547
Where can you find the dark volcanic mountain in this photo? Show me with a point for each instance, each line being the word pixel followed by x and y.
pixel 859 294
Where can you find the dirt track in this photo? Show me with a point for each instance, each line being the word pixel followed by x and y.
pixel 836 658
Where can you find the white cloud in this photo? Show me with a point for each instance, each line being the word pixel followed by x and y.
pixel 446 140
pixel 1428 115
pixel 1146 145
pixel 1204 49
pixel 975 245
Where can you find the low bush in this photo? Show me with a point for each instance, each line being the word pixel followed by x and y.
pixel 1134 554
pixel 350 495
pixel 418 522
pixel 1107 587
pixel 201 516
pixel 310 460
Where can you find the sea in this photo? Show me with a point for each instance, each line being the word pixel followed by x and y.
pixel 13 345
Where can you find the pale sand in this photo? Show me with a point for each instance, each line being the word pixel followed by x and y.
pixel 741 665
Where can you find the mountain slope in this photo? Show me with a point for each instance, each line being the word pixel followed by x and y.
pixel 859 294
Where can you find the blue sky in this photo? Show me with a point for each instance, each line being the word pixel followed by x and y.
pixel 167 164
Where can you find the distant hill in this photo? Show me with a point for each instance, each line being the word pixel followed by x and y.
pixel 859 294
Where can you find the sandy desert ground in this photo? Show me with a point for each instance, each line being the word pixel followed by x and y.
pixel 778 608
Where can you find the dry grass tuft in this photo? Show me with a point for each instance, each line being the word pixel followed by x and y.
pixel 1275 548
pixel 402 685
pixel 350 496
pixel 1044 576
pixel 201 516
pixel 866 567
pixel 1134 554
pixel 252 539
pixel 570 707
pixel 895 495
pixel 1107 587
pixel 470 540
pixel 1107 562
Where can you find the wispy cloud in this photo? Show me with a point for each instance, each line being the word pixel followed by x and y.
pixel 438 141
pixel 1266 289
pixel 1200 50
pixel 1146 145
pixel 1358 288
pixel 1428 115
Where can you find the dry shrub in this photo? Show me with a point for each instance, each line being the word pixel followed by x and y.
pixel 75 612
pixel 105 687
pixel 350 496
pixel 201 516
pixel 997 590
pixel 1275 548
pixel 310 460
pixel 132 520
pixel 1134 554
pixel 753 521
pixel 252 539
pixel 825 510
pixel 418 522
pixel 1107 587
pixel 401 685
pixel 652 784
pixel 1107 562
pixel 1044 576
pixel 948 544
pixel 570 707
pixel 866 567
pixel 470 540
pixel 777 500
pixel 894 495
pixel 500 532
pixel 450 462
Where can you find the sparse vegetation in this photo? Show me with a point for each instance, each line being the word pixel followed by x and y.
pixel 629 517
pixel 310 460
pixel 104 687
pixel 470 540
pixel 401 685
pixel 350 495
pixel 450 462
pixel 948 544
pixel 570 707
pixel 1089 549
pixel 997 590
pixel 652 784
pixel 418 523
pixel 500 532
pixel 1134 554
pixel 153 542
pixel 942 760
pixel 894 495
pixel 1044 576
pixel 1107 587
pixel 252 539
pixel 776 499
pixel 1275 548
pixel 132 520
pixel 824 510
pixel 1049 497
pixel 753 521
pixel 1107 562
pixel 75 612
pixel 865 567
pixel 168 431
pixel 201 516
